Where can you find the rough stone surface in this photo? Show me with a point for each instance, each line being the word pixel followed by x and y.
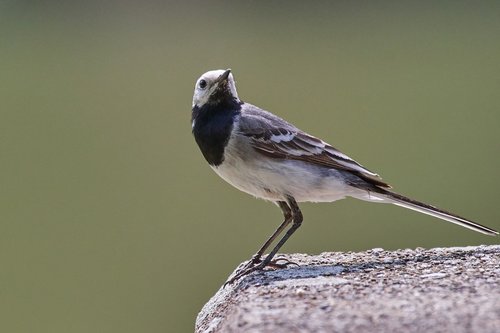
pixel 436 290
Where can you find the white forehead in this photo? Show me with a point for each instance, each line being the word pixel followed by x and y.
pixel 212 75
pixel 201 96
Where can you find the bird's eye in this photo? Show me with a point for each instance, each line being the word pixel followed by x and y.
pixel 202 84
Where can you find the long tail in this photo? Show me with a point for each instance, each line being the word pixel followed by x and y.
pixel 421 207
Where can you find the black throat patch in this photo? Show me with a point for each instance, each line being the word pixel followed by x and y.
pixel 212 128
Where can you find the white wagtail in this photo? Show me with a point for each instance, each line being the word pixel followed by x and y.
pixel 263 155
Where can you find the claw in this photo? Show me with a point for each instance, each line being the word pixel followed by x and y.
pixel 249 267
pixel 286 264
pixel 257 264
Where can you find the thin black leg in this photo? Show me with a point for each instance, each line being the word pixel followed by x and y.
pixel 287 213
pixel 296 217
pixel 297 221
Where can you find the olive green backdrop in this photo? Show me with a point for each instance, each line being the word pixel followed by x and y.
pixel 110 219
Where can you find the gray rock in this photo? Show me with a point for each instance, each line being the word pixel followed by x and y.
pixel 436 290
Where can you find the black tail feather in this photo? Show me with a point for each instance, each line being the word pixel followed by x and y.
pixel 421 207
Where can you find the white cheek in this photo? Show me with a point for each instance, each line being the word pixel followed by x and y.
pixel 200 97
pixel 232 86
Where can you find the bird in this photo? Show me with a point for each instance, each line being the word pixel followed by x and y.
pixel 269 158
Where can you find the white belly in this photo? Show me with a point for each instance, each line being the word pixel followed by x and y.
pixel 275 179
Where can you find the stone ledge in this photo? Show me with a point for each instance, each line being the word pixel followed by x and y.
pixel 437 290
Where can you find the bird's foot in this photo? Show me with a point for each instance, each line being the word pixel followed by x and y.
pixel 257 264
pixel 246 269
pixel 280 263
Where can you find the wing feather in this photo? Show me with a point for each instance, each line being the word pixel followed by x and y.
pixel 275 138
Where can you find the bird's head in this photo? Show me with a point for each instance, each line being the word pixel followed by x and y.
pixel 215 87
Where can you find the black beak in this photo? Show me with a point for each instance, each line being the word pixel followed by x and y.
pixel 223 77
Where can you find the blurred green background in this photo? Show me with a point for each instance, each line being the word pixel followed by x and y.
pixel 111 220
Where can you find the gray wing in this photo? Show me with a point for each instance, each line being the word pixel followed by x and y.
pixel 276 138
